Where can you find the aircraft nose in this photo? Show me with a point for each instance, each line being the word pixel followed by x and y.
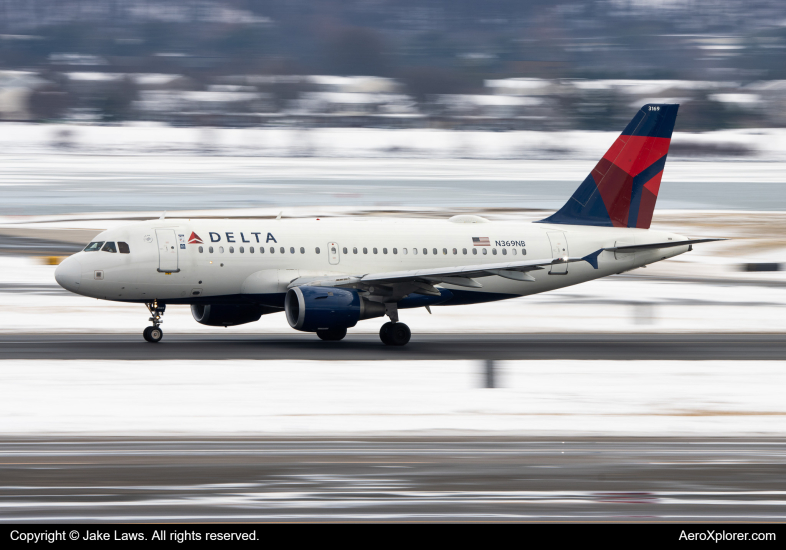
pixel 69 274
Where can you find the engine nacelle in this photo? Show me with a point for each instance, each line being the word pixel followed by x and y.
pixel 312 308
pixel 228 315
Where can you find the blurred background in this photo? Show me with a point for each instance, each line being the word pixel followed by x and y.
pixel 459 64
pixel 113 111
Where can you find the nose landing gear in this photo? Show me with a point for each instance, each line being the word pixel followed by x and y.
pixel 154 334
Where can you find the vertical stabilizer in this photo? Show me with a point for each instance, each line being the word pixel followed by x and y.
pixel 622 189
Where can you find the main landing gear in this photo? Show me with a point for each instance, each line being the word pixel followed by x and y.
pixel 394 333
pixel 154 334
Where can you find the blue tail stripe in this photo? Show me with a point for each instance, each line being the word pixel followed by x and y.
pixel 661 125
pixel 585 207
pixel 638 186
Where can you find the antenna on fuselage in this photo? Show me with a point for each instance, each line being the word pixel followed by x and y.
pixel 163 215
pixel 279 215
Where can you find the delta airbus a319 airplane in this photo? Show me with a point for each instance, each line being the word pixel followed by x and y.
pixel 328 274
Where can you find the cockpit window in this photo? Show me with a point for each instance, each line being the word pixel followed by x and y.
pixel 94 246
pixel 109 247
pixel 123 248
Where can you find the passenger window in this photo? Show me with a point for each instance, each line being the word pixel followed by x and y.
pixel 344 250
pixel 283 251
pixel 210 249
pixel 272 250
pixel 250 249
pixel 242 249
pixel 384 250
pixel 333 250
pixel 415 251
pixel 485 251
pixel 94 246
pixel 425 251
pixel 523 251
pixel 201 250
pixel 395 251
pixel 354 250
pixel 375 250
pixel 231 249
pixel 316 250
pixel 365 250
pixel 220 249
pixel 475 251
pixel 303 250
pixel 123 248
pixel 504 251
pixel 494 251
pixel 404 250
pixel 434 251
pixel 513 251
pixel 464 250
pixel 109 247
pixel 455 251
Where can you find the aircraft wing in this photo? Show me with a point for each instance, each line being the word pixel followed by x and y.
pixel 461 275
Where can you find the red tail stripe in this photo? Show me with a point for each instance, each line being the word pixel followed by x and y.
pixel 636 153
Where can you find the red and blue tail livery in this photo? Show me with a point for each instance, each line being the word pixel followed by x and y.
pixel 622 189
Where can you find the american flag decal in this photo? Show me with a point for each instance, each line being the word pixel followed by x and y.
pixel 481 241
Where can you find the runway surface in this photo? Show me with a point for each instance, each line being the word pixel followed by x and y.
pixel 435 479
pixel 741 347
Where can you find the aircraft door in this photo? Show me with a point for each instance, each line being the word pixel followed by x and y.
pixel 559 249
pixel 167 251
pixel 334 255
pixel 624 257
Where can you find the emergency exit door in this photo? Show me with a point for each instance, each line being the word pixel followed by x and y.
pixel 559 249
pixel 167 251
pixel 334 255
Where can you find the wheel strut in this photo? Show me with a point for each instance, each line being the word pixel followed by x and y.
pixel 154 334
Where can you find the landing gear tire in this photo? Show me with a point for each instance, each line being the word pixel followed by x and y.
pixel 395 334
pixel 153 334
pixel 384 333
pixel 332 335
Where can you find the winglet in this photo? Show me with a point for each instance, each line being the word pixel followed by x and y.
pixel 592 259
pixel 163 215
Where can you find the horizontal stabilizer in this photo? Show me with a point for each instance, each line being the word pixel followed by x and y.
pixel 592 258
pixel 653 246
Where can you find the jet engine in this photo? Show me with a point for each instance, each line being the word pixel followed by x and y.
pixel 313 308
pixel 228 315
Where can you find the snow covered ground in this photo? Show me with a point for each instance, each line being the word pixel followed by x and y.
pixel 307 398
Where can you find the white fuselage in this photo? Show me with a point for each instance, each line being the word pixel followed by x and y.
pixel 240 257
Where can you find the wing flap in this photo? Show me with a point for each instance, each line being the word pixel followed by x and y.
pixel 465 271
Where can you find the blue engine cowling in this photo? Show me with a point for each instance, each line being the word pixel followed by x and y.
pixel 313 308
